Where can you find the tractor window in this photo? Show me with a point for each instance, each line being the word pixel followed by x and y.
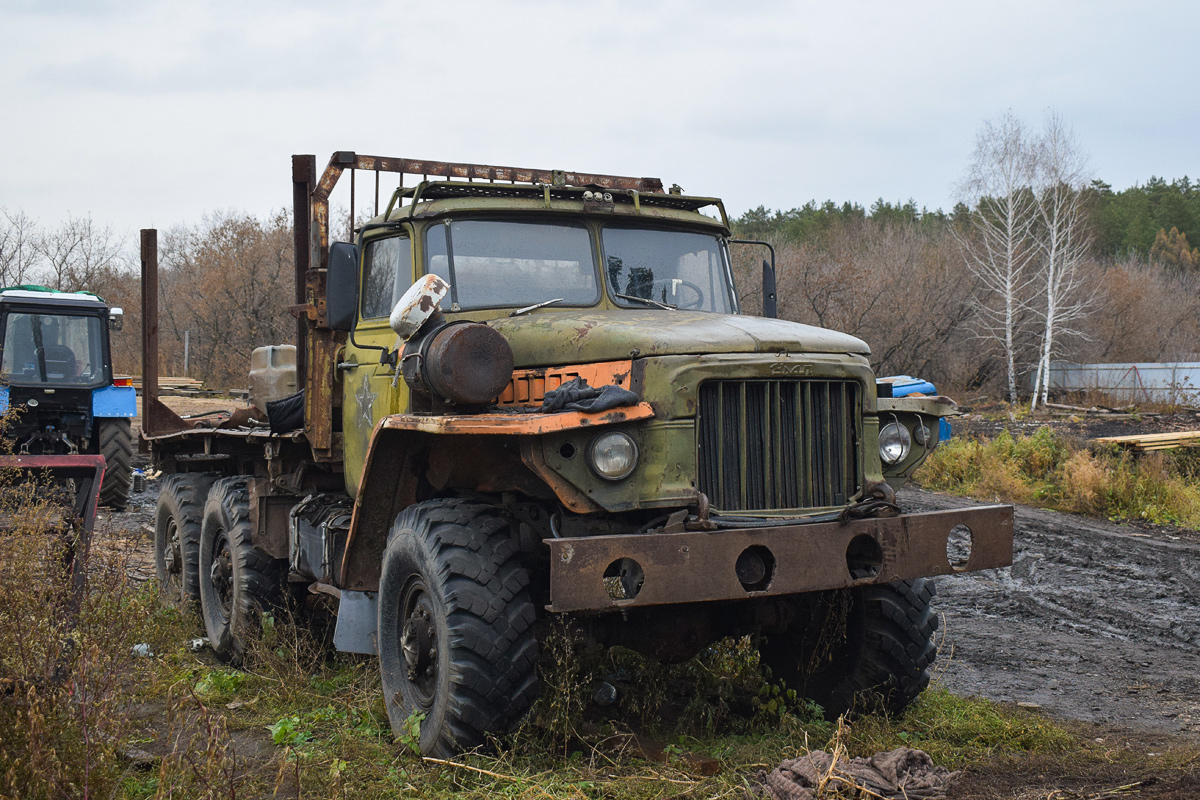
pixel 683 269
pixel 53 349
pixel 387 272
pixel 496 264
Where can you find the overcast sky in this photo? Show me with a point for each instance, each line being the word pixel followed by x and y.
pixel 150 114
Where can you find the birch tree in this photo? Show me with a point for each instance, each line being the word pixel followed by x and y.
pixel 997 244
pixel 1063 242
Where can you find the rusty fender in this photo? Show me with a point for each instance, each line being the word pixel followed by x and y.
pixel 698 566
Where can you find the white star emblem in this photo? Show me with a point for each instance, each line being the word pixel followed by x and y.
pixel 366 402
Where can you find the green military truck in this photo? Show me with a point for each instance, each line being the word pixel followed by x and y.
pixel 531 393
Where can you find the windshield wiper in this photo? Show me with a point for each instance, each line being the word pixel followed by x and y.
pixel 647 301
pixel 527 309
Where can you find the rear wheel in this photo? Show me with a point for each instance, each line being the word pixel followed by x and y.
pixel 237 582
pixel 177 535
pixel 455 626
pixel 867 649
pixel 116 445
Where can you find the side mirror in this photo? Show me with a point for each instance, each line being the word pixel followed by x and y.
pixel 341 286
pixel 770 302
pixel 116 318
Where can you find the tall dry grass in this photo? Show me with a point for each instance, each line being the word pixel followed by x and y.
pixel 65 659
pixel 1054 471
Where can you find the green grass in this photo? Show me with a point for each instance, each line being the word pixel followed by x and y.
pixel 324 729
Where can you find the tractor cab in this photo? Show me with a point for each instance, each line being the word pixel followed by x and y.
pixel 56 375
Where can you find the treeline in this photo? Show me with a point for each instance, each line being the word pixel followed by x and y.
pixel 225 285
pixel 1158 221
pixel 897 276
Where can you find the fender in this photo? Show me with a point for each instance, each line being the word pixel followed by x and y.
pixel 411 454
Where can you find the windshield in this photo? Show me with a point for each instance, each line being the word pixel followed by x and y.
pixel 508 264
pixel 491 264
pixel 679 268
pixel 53 349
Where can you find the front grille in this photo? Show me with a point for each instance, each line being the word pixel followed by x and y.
pixel 766 444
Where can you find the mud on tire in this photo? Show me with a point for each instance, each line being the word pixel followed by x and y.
pixel 115 443
pixel 237 582
pixel 455 626
pixel 867 649
pixel 177 520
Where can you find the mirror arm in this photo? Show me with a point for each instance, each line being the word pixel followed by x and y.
pixel 770 301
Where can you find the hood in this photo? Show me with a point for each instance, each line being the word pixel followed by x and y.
pixel 552 338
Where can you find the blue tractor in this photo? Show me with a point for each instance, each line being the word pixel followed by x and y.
pixel 57 386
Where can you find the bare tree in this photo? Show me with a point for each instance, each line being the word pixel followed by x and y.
pixel 18 255
pixel 1063 241
pixel 80 255
pixel 999 248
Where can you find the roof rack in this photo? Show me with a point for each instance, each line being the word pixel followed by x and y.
pixel 344 160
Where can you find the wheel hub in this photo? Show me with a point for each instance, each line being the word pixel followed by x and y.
pixel 416 641
pixel 221 574
pixel 174 554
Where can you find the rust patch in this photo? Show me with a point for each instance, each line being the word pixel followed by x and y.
pixel 528 387
pixel 512 424
pixel 699 566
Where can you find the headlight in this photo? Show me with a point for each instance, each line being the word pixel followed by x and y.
pixel 894 443
pixel 921 433
pixel 613 455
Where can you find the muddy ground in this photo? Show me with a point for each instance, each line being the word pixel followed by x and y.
pixel 1095 622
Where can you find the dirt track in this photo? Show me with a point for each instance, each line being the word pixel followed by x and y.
pixel 1094 621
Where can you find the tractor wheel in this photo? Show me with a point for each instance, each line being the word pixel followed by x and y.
pixel 867 649
pixel 457 649
pixel 116 445
pixel 177 535
pixel 237 582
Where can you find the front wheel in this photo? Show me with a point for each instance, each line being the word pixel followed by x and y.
pixel 116 445
pixel 867 649
pixel 455 623
pixel 237 582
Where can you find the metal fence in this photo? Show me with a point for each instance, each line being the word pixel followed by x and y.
pixel 1175 382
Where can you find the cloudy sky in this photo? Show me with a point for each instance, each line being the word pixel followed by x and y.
pixel 150 114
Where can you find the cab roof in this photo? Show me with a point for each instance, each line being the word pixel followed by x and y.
pixel 50 297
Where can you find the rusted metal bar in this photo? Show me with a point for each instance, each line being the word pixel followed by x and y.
pixel 344 160
pixel 88 473
pixel 156 417
pixel 692 567
pixel 303 168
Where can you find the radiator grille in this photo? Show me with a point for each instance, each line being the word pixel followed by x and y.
pixel 767 444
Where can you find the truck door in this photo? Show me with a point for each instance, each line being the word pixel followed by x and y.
pixel 371 388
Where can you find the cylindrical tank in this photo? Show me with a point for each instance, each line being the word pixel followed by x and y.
pixel 272 374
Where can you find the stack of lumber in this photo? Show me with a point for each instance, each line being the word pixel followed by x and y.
pixel 1126 412
pixel 1145 442
pixel 185 387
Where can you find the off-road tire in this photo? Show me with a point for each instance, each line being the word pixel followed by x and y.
pixel 452 579
pixel 116 445
pixel 237 582
pixel 177 520
pixel 867 649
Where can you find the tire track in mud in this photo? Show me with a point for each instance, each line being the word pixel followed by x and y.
pixel 1094 621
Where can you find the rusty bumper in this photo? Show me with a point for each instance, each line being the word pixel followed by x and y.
pixel 599 573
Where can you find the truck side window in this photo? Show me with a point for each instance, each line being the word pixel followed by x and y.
pixel 387 272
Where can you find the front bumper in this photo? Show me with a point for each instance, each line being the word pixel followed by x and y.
pixel 701 566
